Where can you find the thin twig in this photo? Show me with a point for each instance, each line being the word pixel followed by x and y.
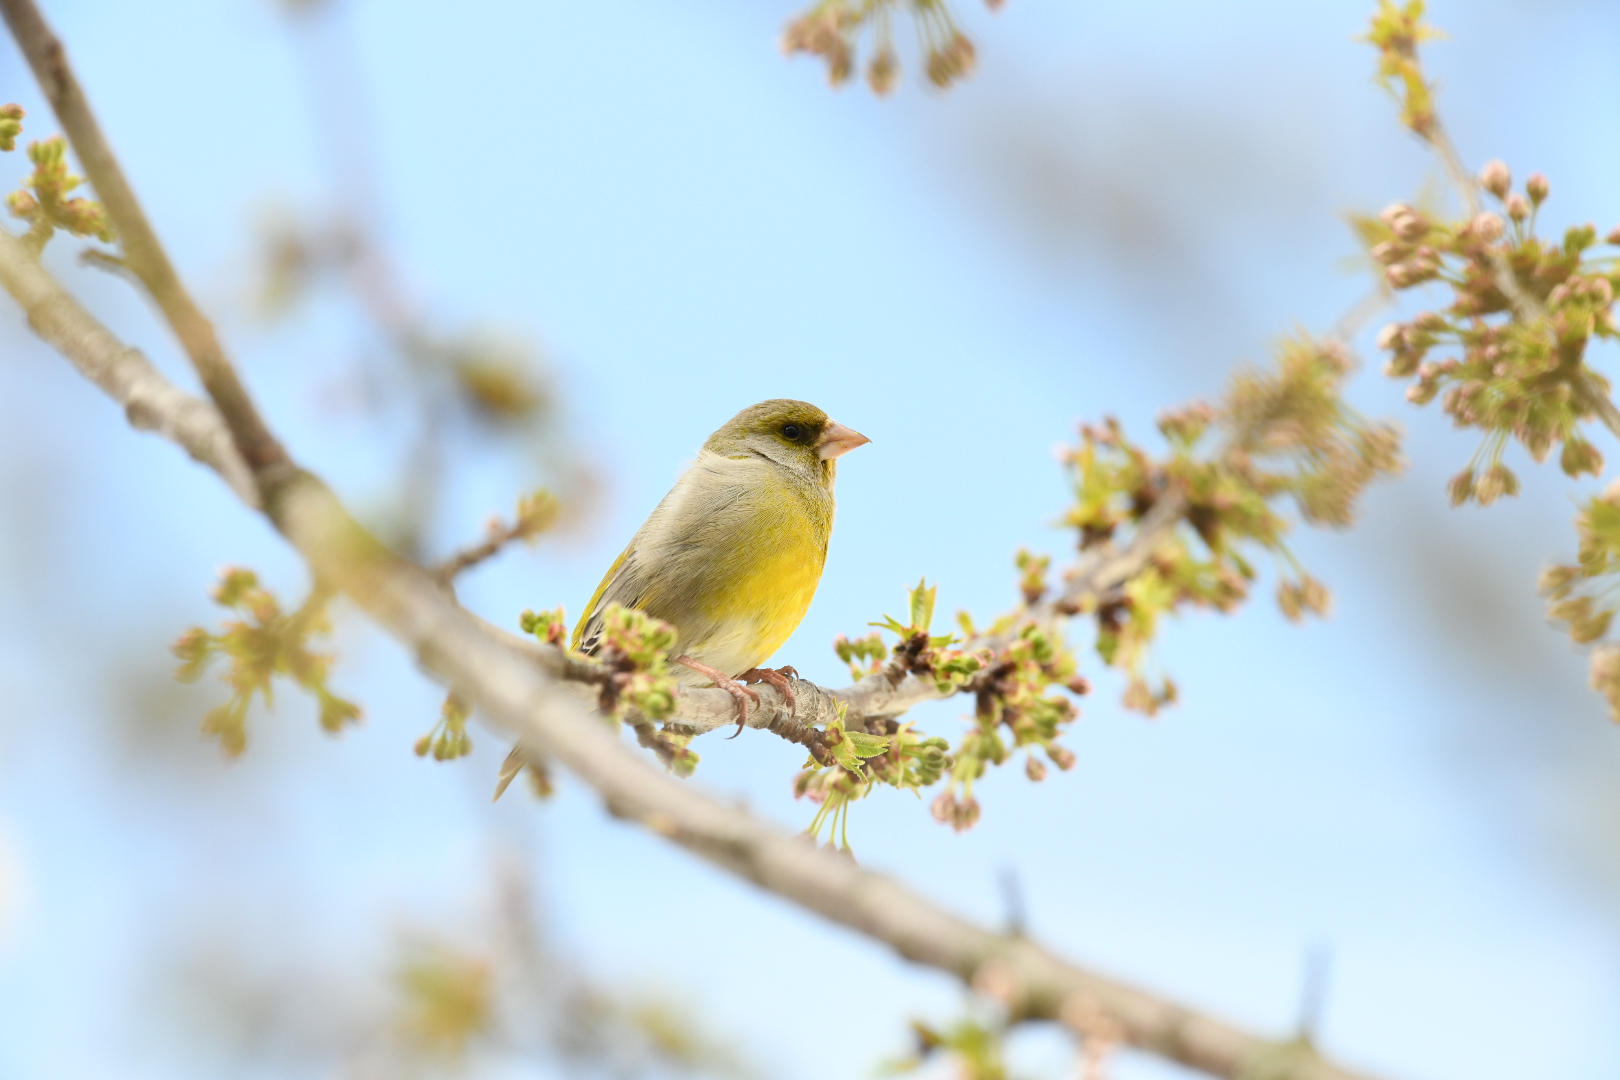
pixel 500 534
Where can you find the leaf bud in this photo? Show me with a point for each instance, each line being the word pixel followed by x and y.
pixel 1606 676
pixel 1290 600
pixel 1393 213
pixel 1390 251
pixel 1411 226
pixel 1580 456
pixel 22 205
pixel 1497 481
pixel 1461 486
pixel 1517 208
pixel 1577 238
pixel 883 72
pixel 966 814
pixel 1555 581
pixel 1403 364
pixel 1536 187
pixel 1487 226
pixel 1496 179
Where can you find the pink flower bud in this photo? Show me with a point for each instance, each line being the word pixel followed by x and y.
pixel 1488 227
pixel 1496 179
pixel 1536 187
pixel 1391 251
pixel 1411 226
pixel 1517 208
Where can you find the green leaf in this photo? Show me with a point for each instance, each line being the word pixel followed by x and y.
pixel 847 756
pixel 868 745
pixel 922 604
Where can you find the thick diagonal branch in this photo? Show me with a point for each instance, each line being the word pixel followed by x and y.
pixel 143 254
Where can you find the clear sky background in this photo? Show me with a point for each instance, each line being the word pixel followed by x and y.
pixel 1125 201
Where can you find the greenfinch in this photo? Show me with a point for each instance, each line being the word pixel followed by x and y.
pixel 732 555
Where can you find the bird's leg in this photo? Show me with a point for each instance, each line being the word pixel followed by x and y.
pixel 731 686
pixel 777 677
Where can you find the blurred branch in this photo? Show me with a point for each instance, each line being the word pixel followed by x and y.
pixel 143 254
pixel 520 697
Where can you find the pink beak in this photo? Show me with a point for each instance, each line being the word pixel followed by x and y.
pixel 838 440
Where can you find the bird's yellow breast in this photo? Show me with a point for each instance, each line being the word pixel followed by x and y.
pixel 731 559
pixel 764 585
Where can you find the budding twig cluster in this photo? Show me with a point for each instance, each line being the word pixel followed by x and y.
pixel 832 30
pixel 1513 336
pixel 43 200
pixel 263 644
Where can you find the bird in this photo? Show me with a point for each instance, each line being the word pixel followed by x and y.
pixel 732 556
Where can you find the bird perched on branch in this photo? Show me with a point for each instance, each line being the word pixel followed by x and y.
pixel 732 555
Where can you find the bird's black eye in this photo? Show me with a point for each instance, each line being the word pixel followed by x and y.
pixel 792 431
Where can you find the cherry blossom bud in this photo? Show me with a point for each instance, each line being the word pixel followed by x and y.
pixel 1391 251
pixel 1517 208
pixel 1496 179
pixel 1411 226
pixel 1536 187
pixel 1606 676
pixel 1390 336
pixel 1461 486
pixel 1488 227
pixel 883 72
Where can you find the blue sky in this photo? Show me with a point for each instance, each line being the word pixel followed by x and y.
pixel 1120 206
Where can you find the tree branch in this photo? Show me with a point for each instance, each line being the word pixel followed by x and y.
pixel 521 697
pixel 143 254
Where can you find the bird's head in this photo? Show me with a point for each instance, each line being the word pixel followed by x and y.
pixel 794 434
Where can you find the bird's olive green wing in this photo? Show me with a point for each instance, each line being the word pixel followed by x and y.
pixel 588 630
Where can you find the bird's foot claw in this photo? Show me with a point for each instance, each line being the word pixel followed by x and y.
pixel 779 678
pixel 740 693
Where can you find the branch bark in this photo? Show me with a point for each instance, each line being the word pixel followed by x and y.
pixel 143 254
